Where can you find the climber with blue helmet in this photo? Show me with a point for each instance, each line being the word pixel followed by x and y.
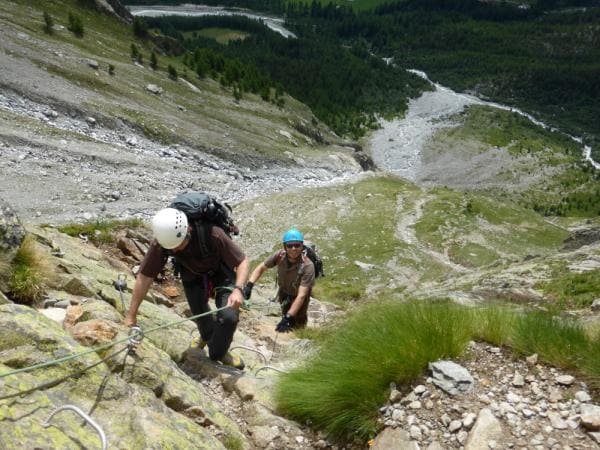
pixel 295 279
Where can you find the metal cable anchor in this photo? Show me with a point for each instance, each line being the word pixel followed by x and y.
pixel 250 349
pixel 269 368
pixel 87 418
pixel 136 335
pixel 121 284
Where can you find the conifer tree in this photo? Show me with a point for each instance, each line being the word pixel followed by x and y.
pixel 172 72
pixel 75 25
pixel 48 23
pixel 134 52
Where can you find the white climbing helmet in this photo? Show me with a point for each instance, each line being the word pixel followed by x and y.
pixel 169 226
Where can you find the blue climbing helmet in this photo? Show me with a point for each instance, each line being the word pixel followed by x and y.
pixel 292 235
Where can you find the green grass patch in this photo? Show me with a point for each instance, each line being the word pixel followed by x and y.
pixel 493 323
pixel 221 35
pixel 472 255
pixel 341 389
pixel 572 290
pixel 348 222
pixel 547 173
pixel 476 230
pixel 560 341
pixel 232 442
pixel 101 231
pixel 365 232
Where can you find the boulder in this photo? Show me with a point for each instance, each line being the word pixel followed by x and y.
pixel 157 90
pixel 451 377
pixel 12 234
pixel 487 429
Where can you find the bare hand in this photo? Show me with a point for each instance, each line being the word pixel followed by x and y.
pixel 130 321
pixel 236 299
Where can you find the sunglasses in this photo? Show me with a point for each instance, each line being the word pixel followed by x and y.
pixel 293 245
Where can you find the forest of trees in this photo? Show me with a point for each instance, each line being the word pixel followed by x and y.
pixel 547 63
pixel 344 86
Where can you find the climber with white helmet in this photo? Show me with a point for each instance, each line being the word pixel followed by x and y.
pixel 295 279
pixel 219 268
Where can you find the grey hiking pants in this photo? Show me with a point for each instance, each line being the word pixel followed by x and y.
pixel 217 332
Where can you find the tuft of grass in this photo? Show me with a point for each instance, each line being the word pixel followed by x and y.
pixel 28 273
pixel 558 341
pixel 101 231
pixel 232 442
pixel 341 389
pixel 493 323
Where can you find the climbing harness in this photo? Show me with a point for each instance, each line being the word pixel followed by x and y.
pixel 87 418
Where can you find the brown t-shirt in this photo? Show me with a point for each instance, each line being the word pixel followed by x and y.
pixel 224 251
pixel 288 277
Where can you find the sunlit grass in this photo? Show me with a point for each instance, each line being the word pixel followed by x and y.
pixel 101 231
pixel 341 389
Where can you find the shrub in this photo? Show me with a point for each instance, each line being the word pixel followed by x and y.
pixel 111 69
pixel 153 61
pixel 75 25
pixel 140 28
pixel 89 4
pixel 134 52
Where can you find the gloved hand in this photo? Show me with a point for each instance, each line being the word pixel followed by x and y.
pixel 248 290
pixel 285 324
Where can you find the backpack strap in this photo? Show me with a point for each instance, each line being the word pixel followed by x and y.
pixel 203 236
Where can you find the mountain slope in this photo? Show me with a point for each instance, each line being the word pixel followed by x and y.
pixel 80 130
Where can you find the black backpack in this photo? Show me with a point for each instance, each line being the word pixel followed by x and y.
pixel 310 250
pixel 204 212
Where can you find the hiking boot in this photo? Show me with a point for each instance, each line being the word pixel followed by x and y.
pixel 233 361
pixel 198 342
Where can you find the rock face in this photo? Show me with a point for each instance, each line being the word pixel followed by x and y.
pixel 164 395
pixel 118 406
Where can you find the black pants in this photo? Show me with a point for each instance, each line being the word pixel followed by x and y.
pixel 218 333
pixel 286 301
